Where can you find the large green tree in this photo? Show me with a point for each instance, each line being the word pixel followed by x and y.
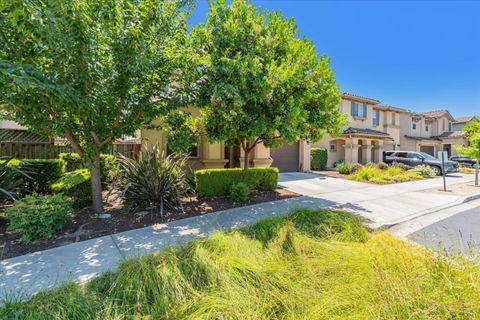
pixel 89 70
pixel 472 133
pixel 257 80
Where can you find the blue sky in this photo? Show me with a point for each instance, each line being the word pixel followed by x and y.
pixel 420 55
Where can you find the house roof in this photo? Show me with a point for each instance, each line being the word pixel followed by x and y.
pixel 422 138
pixel 354 97
pixel 454 134
pixel 463 119
pixel 21 136
pixel 387 107
pixel 366 132
pixel 437 114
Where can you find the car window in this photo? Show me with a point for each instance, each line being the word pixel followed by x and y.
pixel 414 156
pixel 428 156
pixel 401 154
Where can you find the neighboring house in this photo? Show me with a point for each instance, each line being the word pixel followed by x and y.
pixel 289 157
pixel 373 128
pixel 430 132
pixel 460 122
pixel 17 141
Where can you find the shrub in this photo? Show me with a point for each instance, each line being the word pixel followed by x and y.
pixel 382 166
pixel 38 216
pixel 400 165
pixel 389 175
pixel 356 167
pixel 154 181
pixel 319 158
pixel 424 170
pixel 42 171
pixel 344 168
pixel 217 182
pixel 108 165
pixel 11 180
pixel 239 192
pixel 77 185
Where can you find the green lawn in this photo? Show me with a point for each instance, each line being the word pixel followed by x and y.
pixel 311 265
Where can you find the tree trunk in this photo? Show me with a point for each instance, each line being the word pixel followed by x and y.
pixel 476 174
pixel 246 160
pixel 96 179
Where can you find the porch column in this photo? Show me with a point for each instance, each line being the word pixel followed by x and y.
pixel 379 151
pixel 260 156
pixel 367 151
pixel 351 151
pixel 213 154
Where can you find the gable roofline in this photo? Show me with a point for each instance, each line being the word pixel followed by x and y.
pixel 354 97
pixel 463 119
pixel 435 114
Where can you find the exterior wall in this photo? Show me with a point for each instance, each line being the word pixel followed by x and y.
pixel 7 124
pixel 459 126
pixel 363 123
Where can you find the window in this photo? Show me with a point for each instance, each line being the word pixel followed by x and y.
pixel 414 124
pixel 401 154
pixel 192 152
pixel 359 109
pixel 376 118
pixel 426 128
pixel 449 127
pixel 333 146
pixel 412 155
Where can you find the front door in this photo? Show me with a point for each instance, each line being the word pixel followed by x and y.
pixel 448 148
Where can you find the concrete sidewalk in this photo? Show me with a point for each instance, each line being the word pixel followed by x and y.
pixel 23 276
pixel 382 205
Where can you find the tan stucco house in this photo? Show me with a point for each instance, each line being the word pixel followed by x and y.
pixel 430 132
pixel 373 127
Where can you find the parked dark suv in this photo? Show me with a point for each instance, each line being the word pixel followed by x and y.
pixel 466 161
pixel 413 159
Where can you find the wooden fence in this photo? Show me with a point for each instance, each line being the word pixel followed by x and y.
pixel 24 150
pixel 130 150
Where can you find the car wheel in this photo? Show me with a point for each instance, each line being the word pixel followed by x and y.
pixel 436 170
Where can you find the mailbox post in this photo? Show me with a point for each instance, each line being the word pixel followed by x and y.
pixel 443 156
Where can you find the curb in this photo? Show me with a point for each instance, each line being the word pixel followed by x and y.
pixel 458 202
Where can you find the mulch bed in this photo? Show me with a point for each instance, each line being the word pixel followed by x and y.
pixel 85 225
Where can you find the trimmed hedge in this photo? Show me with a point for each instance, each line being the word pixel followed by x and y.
pixel 218 182
pixel 42 171
pixel 75 184
pixel 319 158
pixel 108 164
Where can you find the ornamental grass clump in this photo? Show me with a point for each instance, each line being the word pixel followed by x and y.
pixel 379 176
pixel 424 170
pixel 344 168
pixel 154 181
pixel 312 264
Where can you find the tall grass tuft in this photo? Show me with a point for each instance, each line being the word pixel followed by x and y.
pixel 317 264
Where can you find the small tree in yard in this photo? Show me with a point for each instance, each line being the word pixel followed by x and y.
pixel 256 80
pixel 472 133
pixel 89 70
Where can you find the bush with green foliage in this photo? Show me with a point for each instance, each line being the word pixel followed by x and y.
pixel 108 165
pixel 319 158
pixel 344 168
pixel 218 182
pixel 75 184
pixel 42 171
pixel 424 170
pixel 12 178
pixel 312 264
pixel 240 192
pixel 38 216
pixel 382 165
pixel 154 181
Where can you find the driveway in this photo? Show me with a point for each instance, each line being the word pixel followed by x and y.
pixel 382 205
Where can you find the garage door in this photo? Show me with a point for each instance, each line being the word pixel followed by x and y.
pixel 285 158
pixel 428 149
